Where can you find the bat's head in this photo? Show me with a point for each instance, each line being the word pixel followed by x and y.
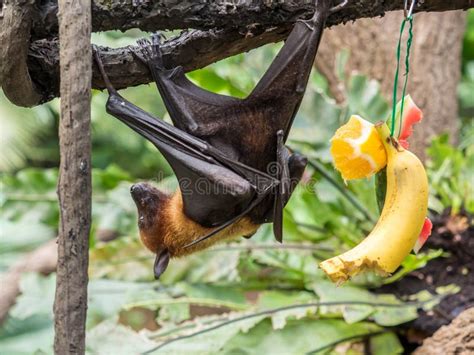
pixel 150 203
pixel 149 200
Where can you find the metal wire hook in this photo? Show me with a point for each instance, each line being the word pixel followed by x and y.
pixel 408 12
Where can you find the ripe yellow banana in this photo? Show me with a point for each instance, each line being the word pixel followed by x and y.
pixel 401 220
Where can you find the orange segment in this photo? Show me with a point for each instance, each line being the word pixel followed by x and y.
pixel 357 150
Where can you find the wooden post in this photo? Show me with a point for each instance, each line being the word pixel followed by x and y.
pixel 74 188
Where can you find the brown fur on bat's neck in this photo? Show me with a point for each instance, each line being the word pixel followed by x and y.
pixel 164 226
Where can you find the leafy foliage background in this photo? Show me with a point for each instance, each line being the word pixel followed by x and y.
pixel 246 297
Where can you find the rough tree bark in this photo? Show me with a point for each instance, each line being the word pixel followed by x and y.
pixel 196 49
pixel 455 338
pixel 15 28
pixel 435 63
pixel 74 188
pixel 204 14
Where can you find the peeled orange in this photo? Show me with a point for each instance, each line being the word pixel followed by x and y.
pixel 357 150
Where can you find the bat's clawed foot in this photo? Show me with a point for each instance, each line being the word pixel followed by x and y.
pixel 157 39
pixel 150 52
pixel 144 50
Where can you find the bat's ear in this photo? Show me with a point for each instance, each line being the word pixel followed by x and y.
pixel 149 200
pixel 161 263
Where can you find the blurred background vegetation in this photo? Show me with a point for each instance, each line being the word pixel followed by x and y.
pixel 246 297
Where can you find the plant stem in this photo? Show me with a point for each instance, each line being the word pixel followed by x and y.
pixel 343 340
pixel 353 200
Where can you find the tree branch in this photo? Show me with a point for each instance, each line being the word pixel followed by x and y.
pixel 74 185
pixel 223 14
pixel 241 28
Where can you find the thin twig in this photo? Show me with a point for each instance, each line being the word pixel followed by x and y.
pixel 343 340
pixel 306 247
pixel 234 247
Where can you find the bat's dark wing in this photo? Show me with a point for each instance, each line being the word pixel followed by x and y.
pixel 212 186
pixel 211 192
pixel 191 108
pixel 284 83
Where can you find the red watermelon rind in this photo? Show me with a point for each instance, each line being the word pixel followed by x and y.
pixel 411 115
pixel 424 234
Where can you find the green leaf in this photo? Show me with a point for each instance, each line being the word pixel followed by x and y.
pixel 174 313
pixel 23 129
pixel 107 297
pixel 210 291
pixel 413 262
pixel 275 299
pixel 209 342
pixel 123 259
pixel 389 317
pixel 385 316
pixel 385 344
pixel 365 99
pixel 27 336
pixel 206 266
pixel 109 337
pixel 36 297
pixel 298 337
pixel 381 188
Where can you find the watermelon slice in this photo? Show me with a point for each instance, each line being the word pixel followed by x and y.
pixel 424 234
pixel 411 115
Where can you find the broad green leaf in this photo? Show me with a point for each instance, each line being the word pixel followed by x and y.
pixel 209 342
pixel 385 344
pixel 207 266
pixel 123 259
pixel 211 291
pixel 27 336
pixel 413 262
pixel 109 337
pixel 36 297
pixel 298 337
pixel 107 297
pixel 275 299
pixel 174 313
pixel 385 316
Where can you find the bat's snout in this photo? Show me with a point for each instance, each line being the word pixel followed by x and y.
pixel 140 191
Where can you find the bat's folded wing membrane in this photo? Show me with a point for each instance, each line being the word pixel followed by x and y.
pixel 211 192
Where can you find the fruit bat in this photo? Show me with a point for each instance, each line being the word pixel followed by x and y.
pixel 229 155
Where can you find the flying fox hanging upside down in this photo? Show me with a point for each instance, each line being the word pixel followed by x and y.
pixel 229 155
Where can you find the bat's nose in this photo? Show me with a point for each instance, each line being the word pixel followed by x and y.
pixel 145 194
